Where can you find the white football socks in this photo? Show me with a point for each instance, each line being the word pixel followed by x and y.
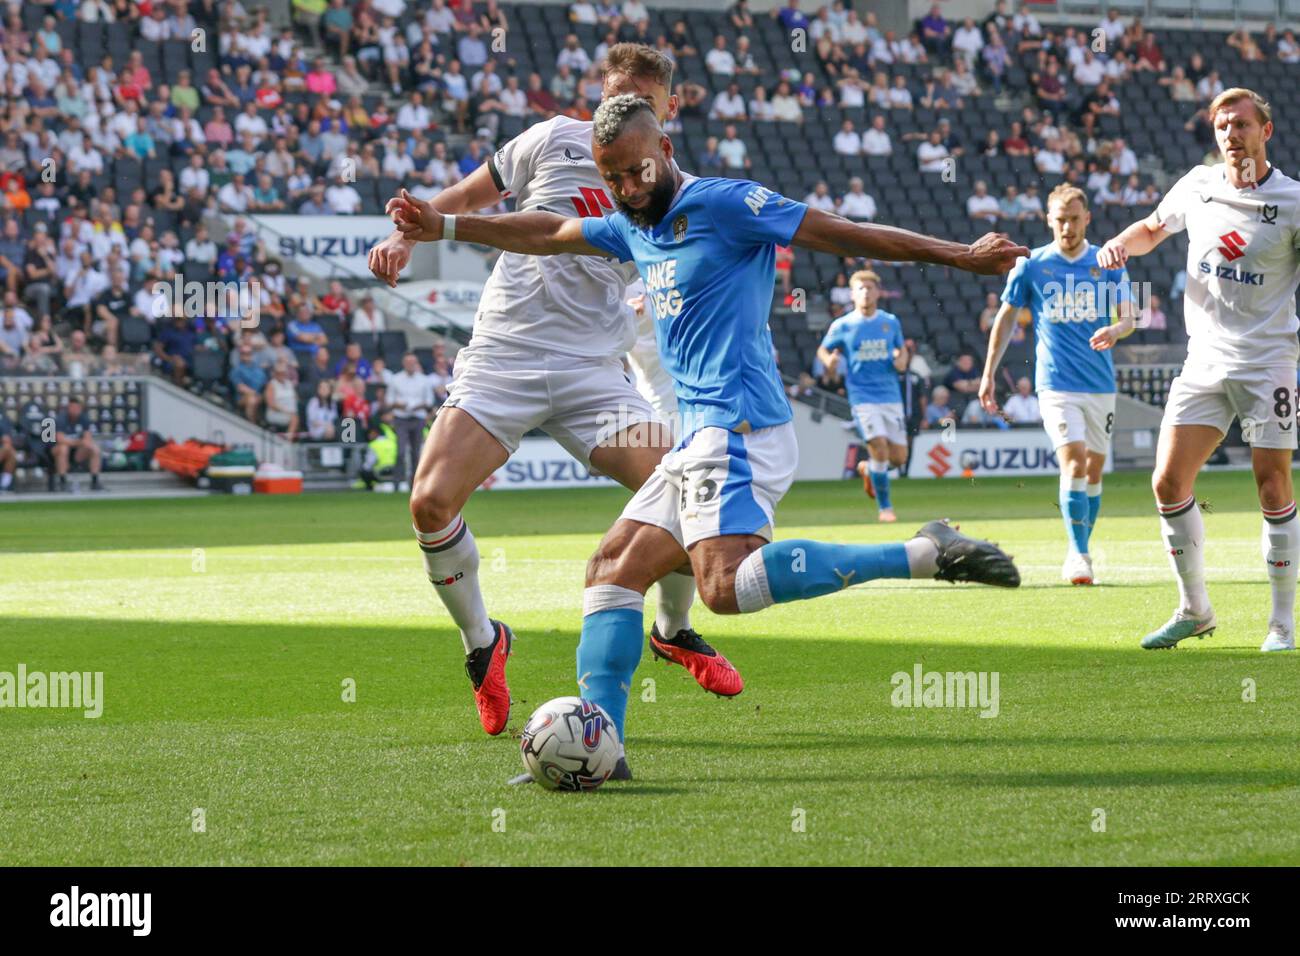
pixel 451 561
pixel 1184 534
pixel 676 595
pixel 1281 545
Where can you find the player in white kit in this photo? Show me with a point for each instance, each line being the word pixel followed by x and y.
pixel 1243 266
pixel 547 352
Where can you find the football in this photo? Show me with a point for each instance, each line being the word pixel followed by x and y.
pixel 569 744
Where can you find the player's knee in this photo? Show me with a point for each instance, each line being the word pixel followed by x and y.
pixel 611 564
pixel 1275 491
pixel 718 591
pixel 432 506
pixel 1167 488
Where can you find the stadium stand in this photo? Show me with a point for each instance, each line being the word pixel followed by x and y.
pixel 139 135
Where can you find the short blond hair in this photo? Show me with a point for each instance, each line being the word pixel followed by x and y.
pixel 1066 194
pixel 865 275
pixel 1241 93
pixel 639 62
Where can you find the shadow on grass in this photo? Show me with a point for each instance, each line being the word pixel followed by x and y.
pixel 352 517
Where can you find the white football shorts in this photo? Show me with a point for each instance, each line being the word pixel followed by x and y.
pixel 719 482
pixel 1069 417
pixel 578 402
pixel 884 419
pixel 1263 398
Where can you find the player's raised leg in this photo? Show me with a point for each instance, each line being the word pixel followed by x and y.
pixel 1180 454
pixel 460 455
pixel 630 457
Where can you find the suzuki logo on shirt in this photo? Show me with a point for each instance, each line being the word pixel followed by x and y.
pixel 1234 247
pixel 661 284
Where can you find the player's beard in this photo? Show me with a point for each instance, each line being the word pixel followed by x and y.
pixel 649 215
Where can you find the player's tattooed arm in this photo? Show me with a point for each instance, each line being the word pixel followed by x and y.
pixel 1137 240
pixel 478 190
pixel 999 338
pixel 991 254
pixel 531 233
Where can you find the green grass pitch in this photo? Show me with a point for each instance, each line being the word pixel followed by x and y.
pixel 224 673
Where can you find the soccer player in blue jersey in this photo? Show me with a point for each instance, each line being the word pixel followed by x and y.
pixel 1074 305
pixel 706 249
pixel 871 342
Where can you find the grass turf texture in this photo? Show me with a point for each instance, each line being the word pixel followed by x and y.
pixel 223 691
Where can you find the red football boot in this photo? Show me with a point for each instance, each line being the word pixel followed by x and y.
pixel 710 669
pixel 486 667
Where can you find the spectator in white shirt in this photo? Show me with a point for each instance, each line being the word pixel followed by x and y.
pixel 235 196
pixel 398 164
pixel 367 317
pixel 857 204
pixel 729 104
pixel 1090 71
pixel 980 205
pixel 719 60
pixel 932 156
pixel 1050 160
pixel 343 198
pixel 634 11
pixel 900 98
pixel 573 55
pixel 820 198
pixel 733 151
pixel 414 115
pixel 875 141
pixel 967 41
pixel 785 105
pixel 847 142
pixel 1113 27
pixel 1126 162
pixel 582 12
pixel 760 107
pixel 1022 407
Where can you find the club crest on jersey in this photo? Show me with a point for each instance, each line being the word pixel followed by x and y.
pixel 1268 214
pixel 1095 272
pixel 679 228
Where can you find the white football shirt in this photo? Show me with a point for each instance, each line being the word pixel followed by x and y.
pixel 1243 266
pixel 566 304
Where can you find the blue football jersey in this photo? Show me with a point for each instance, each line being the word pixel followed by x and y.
pixel 709 268
pixel 868 344
pixel 1069 301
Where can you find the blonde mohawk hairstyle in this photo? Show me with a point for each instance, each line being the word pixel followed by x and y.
pixel 614 114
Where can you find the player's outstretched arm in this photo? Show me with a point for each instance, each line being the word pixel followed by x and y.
pixel 531 233
pixel 999 338
pixel 991 254
pixel 1137 240
pixel 476 191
